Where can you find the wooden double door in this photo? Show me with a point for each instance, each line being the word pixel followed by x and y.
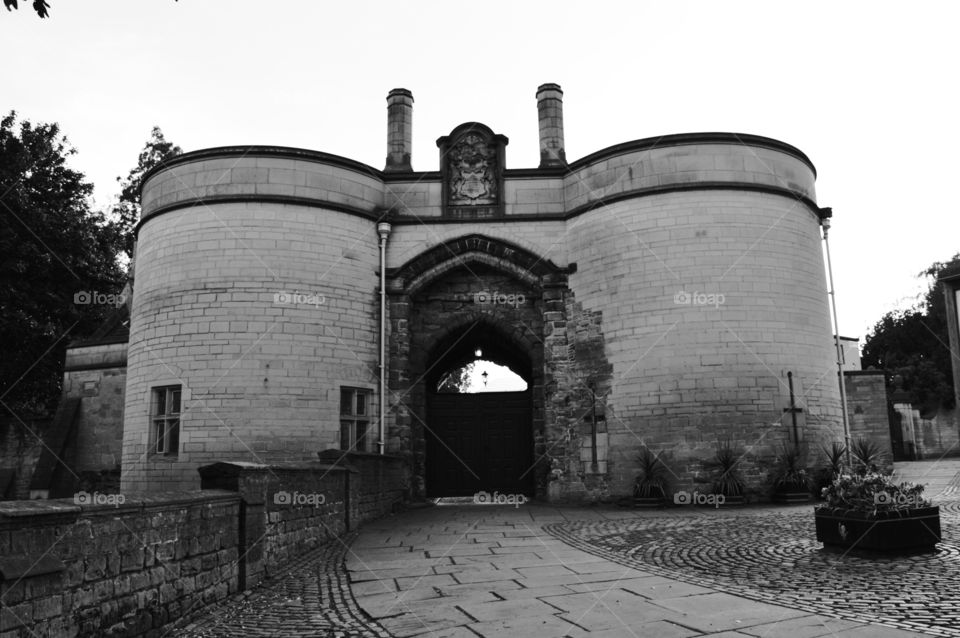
pixel 479 442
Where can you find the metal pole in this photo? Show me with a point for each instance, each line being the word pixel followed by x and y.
pixel 383 229
pixel 594 464
pixel 825 224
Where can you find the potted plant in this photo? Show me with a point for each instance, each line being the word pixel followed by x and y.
pixel 791 481
pixel 833 467
pixel 869 511
pixel 650 487
pixel 728 482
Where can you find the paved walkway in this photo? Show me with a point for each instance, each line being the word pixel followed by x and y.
pixel 501 571
pixel 469 571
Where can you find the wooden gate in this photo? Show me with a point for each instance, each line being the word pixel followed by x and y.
pixel 479 442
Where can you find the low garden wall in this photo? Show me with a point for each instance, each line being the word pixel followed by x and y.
pixel 129 565
pixel 114 569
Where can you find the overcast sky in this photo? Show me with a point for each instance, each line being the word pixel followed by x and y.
pixel 866 90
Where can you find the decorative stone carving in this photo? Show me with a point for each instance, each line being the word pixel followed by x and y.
pixel 471 172
pixel 471 165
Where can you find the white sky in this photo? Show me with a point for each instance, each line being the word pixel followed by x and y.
pixel 866 90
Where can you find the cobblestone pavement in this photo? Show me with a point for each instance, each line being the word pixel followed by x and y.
pixel 773 556
pixel 310 598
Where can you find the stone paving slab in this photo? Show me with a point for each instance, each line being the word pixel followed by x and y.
pixel 580 587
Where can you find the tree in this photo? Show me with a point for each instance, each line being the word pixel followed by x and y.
pixel 126 212
pixel 914 345
pixel 458 380
pixel 59 275
pixel 40 6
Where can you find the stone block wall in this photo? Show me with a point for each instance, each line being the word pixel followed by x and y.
pixel 289 509
pixel 215 311
pixel 123 565
pixel 114 570
pixel 867 411
pixel 97 375
pixel 382 483
pixel 705 311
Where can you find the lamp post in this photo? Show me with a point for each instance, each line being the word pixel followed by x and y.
pixel 825 225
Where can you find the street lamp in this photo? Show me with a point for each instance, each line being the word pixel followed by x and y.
pixel 825 225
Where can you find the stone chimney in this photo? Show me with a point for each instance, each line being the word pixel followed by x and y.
pixel 399 131
pixel 550 112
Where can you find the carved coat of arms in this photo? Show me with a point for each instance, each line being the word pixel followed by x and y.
pixel 471 171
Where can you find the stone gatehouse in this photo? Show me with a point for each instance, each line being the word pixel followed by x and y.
pixel 654 293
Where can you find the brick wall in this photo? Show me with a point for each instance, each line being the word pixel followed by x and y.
pixel 102 570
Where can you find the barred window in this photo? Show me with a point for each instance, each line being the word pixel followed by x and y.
pixel 355 420
pixel 166 420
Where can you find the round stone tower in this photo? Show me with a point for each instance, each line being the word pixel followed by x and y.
pixel 258 308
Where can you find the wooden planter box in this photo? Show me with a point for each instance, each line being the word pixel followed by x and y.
pixel 792 497
pixel 657 499
pixel 906 530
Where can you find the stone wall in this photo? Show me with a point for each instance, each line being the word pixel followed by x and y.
pixel 114 570
pixel 261 325
pixel 867 411
pixel 709 299
pixel 97 375
pixel 122 565
pixel 289 509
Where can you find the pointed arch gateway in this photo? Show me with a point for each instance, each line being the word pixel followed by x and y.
pixel 463 295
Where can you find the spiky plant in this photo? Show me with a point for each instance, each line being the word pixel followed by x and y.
pixel 834 456
pixel 791 473
pixel 653 474
pixel 867 456
pixel 728 482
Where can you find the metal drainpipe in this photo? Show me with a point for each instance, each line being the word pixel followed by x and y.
pixel 825 225
pixel 383 228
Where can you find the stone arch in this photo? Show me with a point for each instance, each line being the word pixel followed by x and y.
pixel 431 307
pixel 498 253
